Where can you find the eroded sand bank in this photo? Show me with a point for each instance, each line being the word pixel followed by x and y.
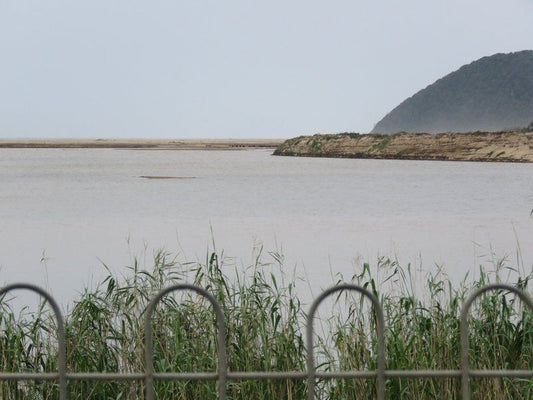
pixel 477 146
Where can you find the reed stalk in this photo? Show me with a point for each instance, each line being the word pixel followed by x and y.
pixel 266 331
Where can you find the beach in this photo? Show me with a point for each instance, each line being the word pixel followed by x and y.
pixel 149 144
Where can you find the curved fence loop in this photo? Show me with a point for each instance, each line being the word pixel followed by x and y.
pixel 311 370
pixel 61 349
pixel 222 364
pixel 466 372
pixel 222 375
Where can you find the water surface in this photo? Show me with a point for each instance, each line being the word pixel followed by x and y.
pixel 64 212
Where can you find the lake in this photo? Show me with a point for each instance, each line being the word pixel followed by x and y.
pixel 65 212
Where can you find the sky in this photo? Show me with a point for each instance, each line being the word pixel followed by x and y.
pixel 234 69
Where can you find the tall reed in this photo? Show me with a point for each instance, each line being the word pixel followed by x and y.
pixel 266 330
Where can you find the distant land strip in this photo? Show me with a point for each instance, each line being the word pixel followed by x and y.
pixel 475 146
pixel 145 144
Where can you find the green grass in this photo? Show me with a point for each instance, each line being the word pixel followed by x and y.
pixel 265 321
pixel 381 145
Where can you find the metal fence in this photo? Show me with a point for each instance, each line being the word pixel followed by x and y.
pixel 223 375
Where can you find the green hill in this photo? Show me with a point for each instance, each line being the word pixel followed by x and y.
pixel 491 94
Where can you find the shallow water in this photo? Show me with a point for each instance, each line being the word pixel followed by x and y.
pixel 64 212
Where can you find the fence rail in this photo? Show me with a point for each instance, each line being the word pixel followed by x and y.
pixel 223 375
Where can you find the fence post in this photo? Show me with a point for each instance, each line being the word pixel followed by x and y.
pixel 61 349
pixel 222 363
pixel 311 371
pixel 465 360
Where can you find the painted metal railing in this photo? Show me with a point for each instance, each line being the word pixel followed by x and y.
pixel 223 375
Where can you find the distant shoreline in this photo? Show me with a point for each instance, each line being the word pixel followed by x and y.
pixel 475 146
pixel 138 144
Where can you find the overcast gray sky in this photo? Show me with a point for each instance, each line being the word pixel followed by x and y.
pixel 241 69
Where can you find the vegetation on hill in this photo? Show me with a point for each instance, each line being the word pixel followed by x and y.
pixel 491 94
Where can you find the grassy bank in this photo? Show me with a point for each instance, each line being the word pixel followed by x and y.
pixel 265 320
pixel 513 146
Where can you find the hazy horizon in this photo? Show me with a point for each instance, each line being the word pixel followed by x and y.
pixel 130 69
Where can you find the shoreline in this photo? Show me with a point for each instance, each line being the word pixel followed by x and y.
pixel 476 146
pixel 141 144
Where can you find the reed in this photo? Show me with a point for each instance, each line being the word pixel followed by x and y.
pixel 266 331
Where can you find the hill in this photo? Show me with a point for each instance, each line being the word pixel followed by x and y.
pixel 491 94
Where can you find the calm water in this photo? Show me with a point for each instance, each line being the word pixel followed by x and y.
pixel 77 209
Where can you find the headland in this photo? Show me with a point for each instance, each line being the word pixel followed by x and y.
pixel 514 146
